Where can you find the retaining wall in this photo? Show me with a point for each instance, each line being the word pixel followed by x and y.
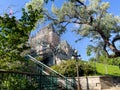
pixel 99 82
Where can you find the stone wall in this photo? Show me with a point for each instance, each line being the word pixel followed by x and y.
pixel 100 83
pixel 109 81
pixel 90 83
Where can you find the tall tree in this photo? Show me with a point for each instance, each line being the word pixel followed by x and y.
pixel 14 34
pixel 93 19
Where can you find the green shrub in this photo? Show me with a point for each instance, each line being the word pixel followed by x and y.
pixel 15 82
pixel 68 68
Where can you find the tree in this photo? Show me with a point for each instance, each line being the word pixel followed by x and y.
pixel 93 19
pixel 14 34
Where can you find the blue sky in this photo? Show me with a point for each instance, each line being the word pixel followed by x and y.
pixel 16 6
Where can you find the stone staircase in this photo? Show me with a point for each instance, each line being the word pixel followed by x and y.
pixel 62 82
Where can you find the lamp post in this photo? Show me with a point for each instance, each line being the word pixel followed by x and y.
pixel 75 55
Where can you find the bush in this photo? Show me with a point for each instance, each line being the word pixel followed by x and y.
pixel 17 82
pixel 68 68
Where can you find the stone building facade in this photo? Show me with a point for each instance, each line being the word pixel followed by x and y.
pixel 46 34
pixel 47 43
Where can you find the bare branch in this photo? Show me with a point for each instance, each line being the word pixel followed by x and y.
pixel 114 40
pixel 50 17
pixel 81 3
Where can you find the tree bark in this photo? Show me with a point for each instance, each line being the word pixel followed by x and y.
pixel 110 45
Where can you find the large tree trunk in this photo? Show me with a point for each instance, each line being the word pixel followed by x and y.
pixel 110 45
pixel 114 49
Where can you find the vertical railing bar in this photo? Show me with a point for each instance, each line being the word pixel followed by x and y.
pixel 20 81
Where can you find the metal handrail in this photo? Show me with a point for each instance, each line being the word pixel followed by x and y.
pixel 40 63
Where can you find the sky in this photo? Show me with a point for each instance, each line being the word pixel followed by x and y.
pixel 16 5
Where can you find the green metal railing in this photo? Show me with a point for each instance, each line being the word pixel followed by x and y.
pixel 12 80
pixel 62 81
pixel 37 76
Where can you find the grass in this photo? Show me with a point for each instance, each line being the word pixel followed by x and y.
pixel 103 69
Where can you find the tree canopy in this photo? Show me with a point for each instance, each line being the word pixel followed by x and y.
pixel 93 19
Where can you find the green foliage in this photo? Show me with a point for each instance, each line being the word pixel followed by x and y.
pixel 93 21
pixel 17 82
pixel 104 69
pixel 109 61
pixel 39 58
pixel 105 60
pixel 14 34
pixel 36 4
pixel 96 49
pixel 68 68
pixel 71 13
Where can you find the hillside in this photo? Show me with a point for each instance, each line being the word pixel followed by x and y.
pixel 103 69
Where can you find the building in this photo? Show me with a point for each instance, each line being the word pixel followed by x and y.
pixel 48 45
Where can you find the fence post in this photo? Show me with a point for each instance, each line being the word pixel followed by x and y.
pixel 66 84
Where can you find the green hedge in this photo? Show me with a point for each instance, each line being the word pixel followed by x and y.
pixel 68 68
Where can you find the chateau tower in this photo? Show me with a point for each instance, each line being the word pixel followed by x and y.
pixel 56 52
